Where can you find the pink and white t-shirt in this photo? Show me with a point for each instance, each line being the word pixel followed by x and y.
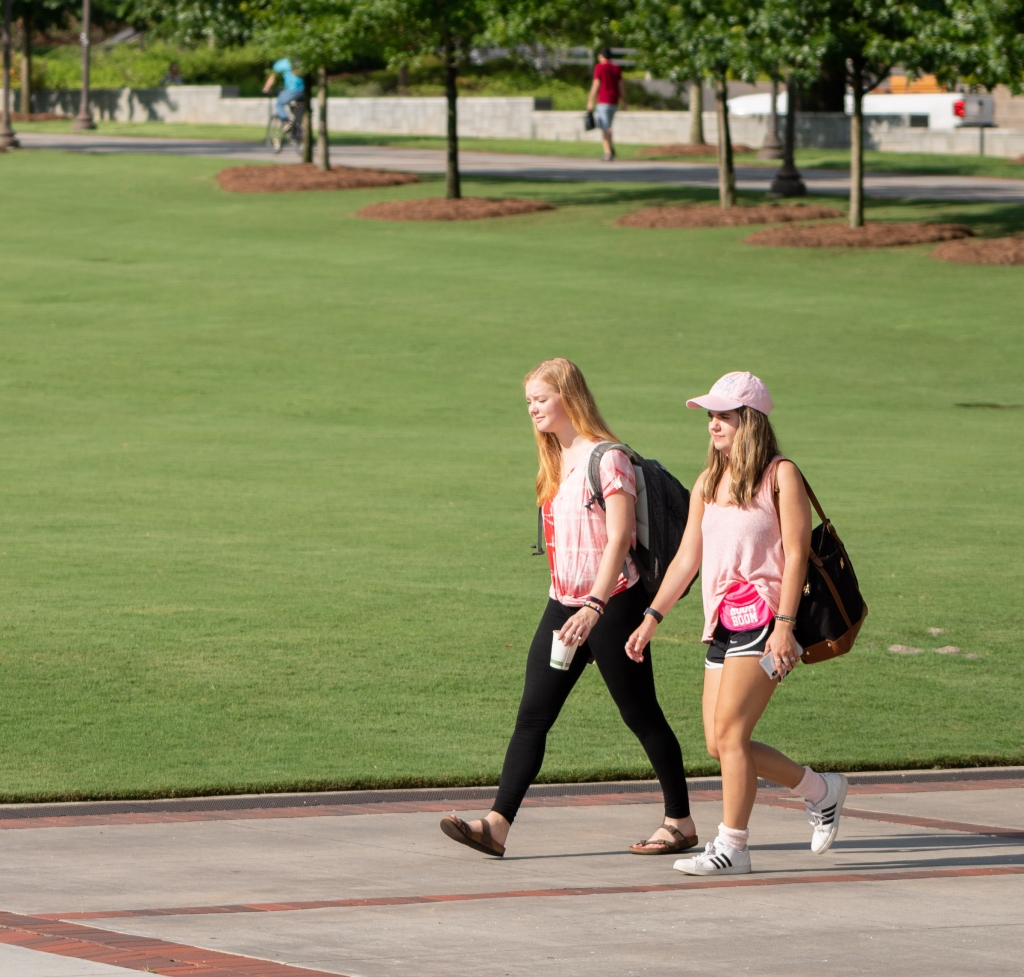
pixel 576 536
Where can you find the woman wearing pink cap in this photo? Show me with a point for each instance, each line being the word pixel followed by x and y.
pixel 749 531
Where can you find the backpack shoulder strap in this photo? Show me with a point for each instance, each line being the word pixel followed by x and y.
pixel 594 469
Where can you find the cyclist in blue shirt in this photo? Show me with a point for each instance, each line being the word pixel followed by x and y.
pixel 293 86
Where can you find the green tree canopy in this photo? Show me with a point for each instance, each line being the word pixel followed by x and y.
pixel 714 39
pixel 871 37
pixel 190 22
pixel 450 28
pixel 317 36
pixel 557 23
pixel 980 42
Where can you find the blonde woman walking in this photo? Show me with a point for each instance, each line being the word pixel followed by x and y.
pixel 749 530
pixel 595 601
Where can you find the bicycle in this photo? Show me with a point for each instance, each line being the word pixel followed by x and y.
pixel 279 132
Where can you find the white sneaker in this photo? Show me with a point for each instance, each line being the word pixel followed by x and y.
pixel 824 817
pixel 716 859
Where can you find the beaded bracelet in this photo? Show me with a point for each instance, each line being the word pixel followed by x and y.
pixel 594 607
pixel 785 619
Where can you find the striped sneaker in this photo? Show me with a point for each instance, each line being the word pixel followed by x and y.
pixel 716 859
pixel 824 817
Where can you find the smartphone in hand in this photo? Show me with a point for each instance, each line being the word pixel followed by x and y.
pixel 768 664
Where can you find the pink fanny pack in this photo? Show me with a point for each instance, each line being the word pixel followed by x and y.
pixel 743 609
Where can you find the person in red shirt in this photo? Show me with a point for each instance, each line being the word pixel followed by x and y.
pixel 609 94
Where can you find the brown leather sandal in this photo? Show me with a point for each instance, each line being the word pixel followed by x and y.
pixel 457 829
pixel 681 843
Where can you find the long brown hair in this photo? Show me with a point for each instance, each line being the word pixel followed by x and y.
pixel 567 378
pixel 752 452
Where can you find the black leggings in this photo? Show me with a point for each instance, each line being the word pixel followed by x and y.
pixel 630 683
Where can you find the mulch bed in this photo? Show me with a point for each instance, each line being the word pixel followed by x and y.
pixel 689 149
pixel 711 215
pixel 306 176
pixel 983 251
pixel 874 235
pixel 439 209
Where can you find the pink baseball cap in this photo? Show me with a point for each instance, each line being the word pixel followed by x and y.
pixel 735 390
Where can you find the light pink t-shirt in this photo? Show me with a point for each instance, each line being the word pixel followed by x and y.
pixel 742 545
pixel 576 536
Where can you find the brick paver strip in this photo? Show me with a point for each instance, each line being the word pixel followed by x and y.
pixel 136 952
pixel 908 875
pixel 986 830
pixel 413 806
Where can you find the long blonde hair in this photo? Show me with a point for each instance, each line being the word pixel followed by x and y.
pixel 752 452
pixel 567 378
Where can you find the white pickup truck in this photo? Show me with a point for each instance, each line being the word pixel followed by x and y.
pixel 942 110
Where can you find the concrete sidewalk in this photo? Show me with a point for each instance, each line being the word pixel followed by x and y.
pixel 526 167
pixel 926 878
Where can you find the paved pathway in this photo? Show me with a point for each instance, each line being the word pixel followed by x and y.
pixel 927 877
pixel 832 182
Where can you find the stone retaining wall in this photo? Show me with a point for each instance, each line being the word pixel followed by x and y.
pixel 515 118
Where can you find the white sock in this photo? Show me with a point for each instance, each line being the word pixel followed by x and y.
pixel 735 838
pixel 812 787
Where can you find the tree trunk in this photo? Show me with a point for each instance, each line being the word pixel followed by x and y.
pixel 26 63
pixel 323 148
pixel 403 79
pixel 857 150
pixel 697 113
pixel 307 118
pixel 83 120
pixel 7 137
pixel 772 147
pixel 453 185
pixel 726 173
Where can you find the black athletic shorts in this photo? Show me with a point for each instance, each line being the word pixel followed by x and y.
pixel 737 644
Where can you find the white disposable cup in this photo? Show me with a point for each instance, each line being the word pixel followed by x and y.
pixel 561 654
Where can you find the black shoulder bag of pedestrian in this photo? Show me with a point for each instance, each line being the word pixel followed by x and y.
pixel 832 608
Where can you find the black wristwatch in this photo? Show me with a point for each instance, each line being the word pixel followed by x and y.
pixel 657 615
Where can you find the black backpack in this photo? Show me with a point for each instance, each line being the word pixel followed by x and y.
pixel 662 505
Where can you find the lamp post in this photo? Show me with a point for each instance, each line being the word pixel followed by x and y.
pixel 787 182
pixel 772 147
pixel 84 118
pixel 7 137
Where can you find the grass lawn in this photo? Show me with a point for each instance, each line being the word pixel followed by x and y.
pixel 154 130
pixel 829 159
pixel 939 164
pixel 266 476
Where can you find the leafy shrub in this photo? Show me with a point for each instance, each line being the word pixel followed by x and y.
pixel 127 66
